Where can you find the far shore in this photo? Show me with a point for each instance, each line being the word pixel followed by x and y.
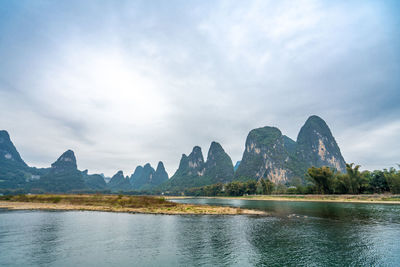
pixel 113 203
pixel 370 199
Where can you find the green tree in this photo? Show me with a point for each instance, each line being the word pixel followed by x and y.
pixel 251 187
pixel 323 179
pixel 265 186
pixel 342 183
pixel 234 189
pixel 269 185
pixel 393 179
pixel 378 182
pixel 358 181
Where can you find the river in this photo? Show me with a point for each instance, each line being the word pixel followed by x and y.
pixel 294 234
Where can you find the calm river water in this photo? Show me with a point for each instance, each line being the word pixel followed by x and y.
pixel 295 234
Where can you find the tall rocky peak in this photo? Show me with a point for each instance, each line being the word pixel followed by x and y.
pixel 8 152
pixel 63 175
pixel 161 174
pixel 265 156
pixel 190 172
pixel 160 167
pixel 183 163
pixel 196 160
pixel 146 177
pixel 118 176
pixel 148 173
pixel 137 173
pixel 192 165
pixel 219 165
pixel 269 154
pixel 316 145
pixel 119 183
pixel 66 162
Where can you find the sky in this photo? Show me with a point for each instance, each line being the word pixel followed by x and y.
pixel 123 83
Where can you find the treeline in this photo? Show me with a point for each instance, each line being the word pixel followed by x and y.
pixel 236 188
pixel 326 180
pixel 323 180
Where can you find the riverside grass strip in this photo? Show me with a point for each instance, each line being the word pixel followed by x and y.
pixel 115 203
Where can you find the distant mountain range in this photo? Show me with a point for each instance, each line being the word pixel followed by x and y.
pixel 268 154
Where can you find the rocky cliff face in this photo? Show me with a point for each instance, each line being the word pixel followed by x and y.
pixel 193 171
pixel 219 165
pixel 265 156
pixel 269 154
pixel 14 172
pixel 145 178
pixel 66 162
pixel 193 165
pixel 119 183
pixel 136 174
pixel 94 181
pixel 316 145
pixel 63 176
pixel 290 144
pixel 160 175
pixel 8 152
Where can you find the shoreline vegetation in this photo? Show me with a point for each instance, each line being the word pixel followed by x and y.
pixel 325 181
pixel 369 199
pixel 116 203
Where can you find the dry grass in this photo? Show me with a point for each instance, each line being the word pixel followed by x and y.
pixel 121 203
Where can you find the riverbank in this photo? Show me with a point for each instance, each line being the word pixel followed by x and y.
pixel 114 203
pixel 374 199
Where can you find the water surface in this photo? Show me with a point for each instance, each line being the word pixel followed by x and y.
pixel 296 233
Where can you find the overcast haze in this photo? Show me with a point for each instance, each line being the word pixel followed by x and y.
pixel 123 83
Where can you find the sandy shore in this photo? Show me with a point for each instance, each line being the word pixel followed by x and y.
pixel 180 209
pixel 370 199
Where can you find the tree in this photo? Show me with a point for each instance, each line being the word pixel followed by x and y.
pixel 378 182
pixel 393 179
pixel 265 186
pixel 251 187
pixel 269 185
pixel 323 179
pixel 357 180
pixel 342 183
pixel 235 189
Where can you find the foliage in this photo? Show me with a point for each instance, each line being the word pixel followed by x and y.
pixel 230 189
pixel 378 183
pixel 355 179
pixel 323 178
pixel 266 186
pixel 393 180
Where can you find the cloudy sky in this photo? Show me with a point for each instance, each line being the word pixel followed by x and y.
pixel 123 83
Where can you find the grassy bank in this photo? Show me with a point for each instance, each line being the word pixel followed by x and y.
pixel 113 203
pixel 382 199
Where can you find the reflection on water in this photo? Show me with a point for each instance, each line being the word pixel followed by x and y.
pixel 296 233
